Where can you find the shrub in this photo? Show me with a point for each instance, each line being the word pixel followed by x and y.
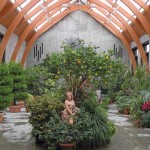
pixel 100 126
pixel 39 80
pixel 19 81
pixel 146 120
pixel 57 131
pixel 42 109
pixel 6 86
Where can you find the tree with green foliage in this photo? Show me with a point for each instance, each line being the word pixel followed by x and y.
pixel 6 86
pixel 19 81
pixel 82 67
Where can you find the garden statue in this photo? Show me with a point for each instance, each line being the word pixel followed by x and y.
pixel 70 109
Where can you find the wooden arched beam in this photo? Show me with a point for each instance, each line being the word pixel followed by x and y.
pixel 2 4
pixel 31 26
pixel 139 15
pixel 45 27
pixel 36 10
pixel 111 29
pixel 127 15
pixel 124 41
pixel 127 26
pixel 8 10
pixel 52 13
pixel 13 26
pixel 143 5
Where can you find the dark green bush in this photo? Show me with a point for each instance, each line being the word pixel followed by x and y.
pixel 146 120
pixel 100 125
pixel 57 131
pixel 6 86
pixel 42 109
pixel 19 82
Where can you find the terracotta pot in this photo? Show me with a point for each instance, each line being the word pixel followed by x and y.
pixel 137 123
pixel 1 116
pixel 27 109
pixel 126 111
pixel 21 104
pixel 66 146
pixel 15 109
pixel 110 101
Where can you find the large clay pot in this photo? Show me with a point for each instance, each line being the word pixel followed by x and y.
pixel 126 111
pixel 15 109
pixel 66 146
pixel 1 116
pixel 21 104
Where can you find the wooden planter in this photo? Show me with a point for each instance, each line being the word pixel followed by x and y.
pixel 1 116
pixel 66 146
pixel 15 109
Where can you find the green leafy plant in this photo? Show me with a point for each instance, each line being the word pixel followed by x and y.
pixel 82 68
pixel 42 108
pixel 59 131
pixel 39 80
pixel 19 81
pixel 146 119
pixel 6 86
pixel 100 126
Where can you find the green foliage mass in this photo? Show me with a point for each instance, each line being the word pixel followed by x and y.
pixel 6 86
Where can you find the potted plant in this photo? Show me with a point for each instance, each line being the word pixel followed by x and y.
pixel 19 86
pixel 59 133
pixel 5 88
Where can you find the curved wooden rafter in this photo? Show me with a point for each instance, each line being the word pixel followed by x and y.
pixel 143 5
pixel 124 41
pixel 127 26
pixel 42 29
pixel 3 3
pixel 36 10
pixel 139 15
pixel 126 14
pixel 143 22
pixel 13 26
pixel 32 26
pixel 9 9
pixel 111 29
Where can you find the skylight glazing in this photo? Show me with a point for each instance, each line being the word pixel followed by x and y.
pixel 43 5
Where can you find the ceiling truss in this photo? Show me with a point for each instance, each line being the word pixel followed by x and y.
pixel 121 17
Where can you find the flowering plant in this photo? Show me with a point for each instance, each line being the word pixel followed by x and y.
pixel 146 106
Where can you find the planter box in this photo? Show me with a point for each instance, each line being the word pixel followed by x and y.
pixel 15 109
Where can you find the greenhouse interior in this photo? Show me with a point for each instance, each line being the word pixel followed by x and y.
pixel 74 74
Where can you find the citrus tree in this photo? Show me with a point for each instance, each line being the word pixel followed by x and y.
pixel 82 67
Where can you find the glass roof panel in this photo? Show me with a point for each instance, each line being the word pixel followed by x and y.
pixel 12 1
pixel 35 6
pixel 135 4
pixel 115 25
pixel 54 1
pixel 104 1
pixel 124 17
pixel 25 3
pixel 33 17
pixel 58 12
pixel 125 7
pixel 41 25
pixel 98 12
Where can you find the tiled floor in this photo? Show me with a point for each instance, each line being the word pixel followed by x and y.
pixel 15 133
